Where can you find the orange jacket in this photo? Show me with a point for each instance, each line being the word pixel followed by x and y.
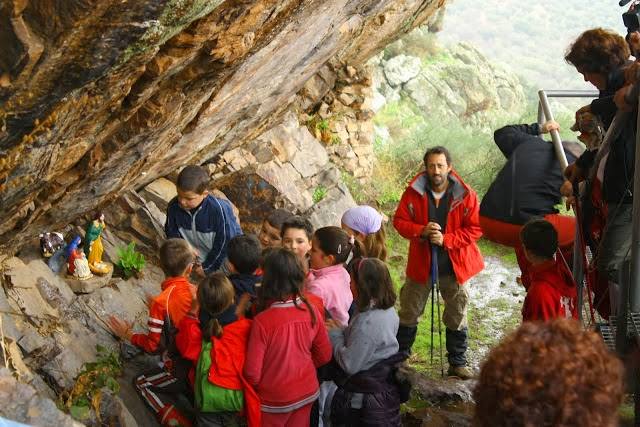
pixel 227 359
pixel 167 309
pixel 460 235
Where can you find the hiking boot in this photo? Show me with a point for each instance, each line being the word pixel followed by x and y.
pixel 462 372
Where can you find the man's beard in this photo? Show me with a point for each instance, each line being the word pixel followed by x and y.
pixel 436 181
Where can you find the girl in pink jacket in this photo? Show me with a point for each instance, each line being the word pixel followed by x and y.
pixel 330 248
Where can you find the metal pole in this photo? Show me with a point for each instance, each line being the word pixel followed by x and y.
pixel 555 135
pixel 540 114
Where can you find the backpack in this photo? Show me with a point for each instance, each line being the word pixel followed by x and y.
pixel 210 397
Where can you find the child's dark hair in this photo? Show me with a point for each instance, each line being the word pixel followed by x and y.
pixel 244 252
pixel 215 295
pixel 175 257
pixel 374 284
pixel 193 178
pixel 334 241
pixel 299 223
pixel 283 279
pixel 278 217
pixel 540 238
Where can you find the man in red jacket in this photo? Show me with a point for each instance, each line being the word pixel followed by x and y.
pixel 551 292
pixel 439 209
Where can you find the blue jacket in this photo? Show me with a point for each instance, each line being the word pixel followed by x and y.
pixel 208 228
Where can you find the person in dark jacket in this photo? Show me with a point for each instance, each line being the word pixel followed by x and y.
pixel 602 56
pixel 528 186
pixel 206 222
pixel 244 253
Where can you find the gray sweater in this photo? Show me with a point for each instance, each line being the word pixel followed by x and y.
pixel 369 338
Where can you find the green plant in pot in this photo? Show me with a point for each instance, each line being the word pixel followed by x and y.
pixel 130 261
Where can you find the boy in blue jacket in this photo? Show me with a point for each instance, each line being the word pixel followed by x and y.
pixel 206 222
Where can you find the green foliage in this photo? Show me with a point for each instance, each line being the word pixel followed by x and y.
pixel 130 261
pixel 319 193
pixel 86 392
pixel 335 140
pixel 322 125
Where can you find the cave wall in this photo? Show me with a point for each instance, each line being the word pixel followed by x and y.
pixel 99 97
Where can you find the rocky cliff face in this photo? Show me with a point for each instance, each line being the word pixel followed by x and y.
pixel 451 83
pixel 99 97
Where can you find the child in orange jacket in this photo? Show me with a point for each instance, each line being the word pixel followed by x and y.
pixel 165 313
pixel 218 352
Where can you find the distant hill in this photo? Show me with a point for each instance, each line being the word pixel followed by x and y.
pixel 530 36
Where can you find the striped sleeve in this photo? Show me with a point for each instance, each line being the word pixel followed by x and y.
pixel 149 342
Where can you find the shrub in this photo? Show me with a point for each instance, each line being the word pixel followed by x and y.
pixel 130 261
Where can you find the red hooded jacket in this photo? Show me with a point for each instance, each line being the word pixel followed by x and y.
pixel 552 293
pixel 460 235
pixel 227 359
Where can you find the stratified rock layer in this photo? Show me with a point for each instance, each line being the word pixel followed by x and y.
pixel 99 97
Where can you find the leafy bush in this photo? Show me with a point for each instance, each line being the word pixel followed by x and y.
pixel 130 261
pixel 86 393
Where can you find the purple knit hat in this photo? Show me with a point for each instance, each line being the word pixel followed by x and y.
pixel 363 219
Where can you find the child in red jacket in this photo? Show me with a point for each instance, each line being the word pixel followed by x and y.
pixel 165 313
pixel 287 342
pixel 552 291
pixel 218 351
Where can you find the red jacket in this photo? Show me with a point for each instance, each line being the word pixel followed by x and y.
pixel 283 353
pixel 552 293
pixel 227 359
pixel 173 303
pixel 460 235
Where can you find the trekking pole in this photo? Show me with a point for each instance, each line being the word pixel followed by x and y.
pixel 435 296
pixel 436 288
pixel 433 285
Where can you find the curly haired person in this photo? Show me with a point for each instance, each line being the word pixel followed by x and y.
pixel 549 374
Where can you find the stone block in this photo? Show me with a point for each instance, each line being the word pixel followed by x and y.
pixel 21 403
pixel 402 68
pixel 330 209
pixel 90 285
pixel 35 289
pixel 160 192
pixel 77 345
pixel 346 99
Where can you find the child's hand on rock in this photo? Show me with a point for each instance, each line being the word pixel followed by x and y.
pixel 120 328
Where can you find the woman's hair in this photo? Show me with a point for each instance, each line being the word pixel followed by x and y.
pixel 215 295
pixel 334 241
pixel 373 283
pixel 283 279
pixel 598 51
pixel 374 245
pixel 549 374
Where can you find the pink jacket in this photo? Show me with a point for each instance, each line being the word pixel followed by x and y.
pixel 333 285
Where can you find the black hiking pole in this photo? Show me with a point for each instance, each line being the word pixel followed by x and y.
pixel 435 299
